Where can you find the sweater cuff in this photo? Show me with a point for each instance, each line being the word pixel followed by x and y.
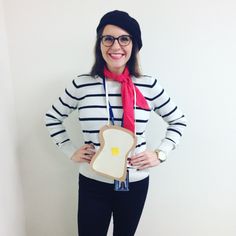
pixel 68 148
pixel 166 146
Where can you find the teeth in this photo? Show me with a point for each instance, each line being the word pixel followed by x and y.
pixel 116 55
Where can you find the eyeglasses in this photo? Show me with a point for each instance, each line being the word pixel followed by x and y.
pixel 123 40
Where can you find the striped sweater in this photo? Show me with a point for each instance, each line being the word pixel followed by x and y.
pixel 86 94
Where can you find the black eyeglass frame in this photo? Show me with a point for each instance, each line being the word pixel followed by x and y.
pixel 116 38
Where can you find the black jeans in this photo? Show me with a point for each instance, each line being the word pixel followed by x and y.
pixel 98 202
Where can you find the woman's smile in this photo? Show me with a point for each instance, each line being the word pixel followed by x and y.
pixel 116 56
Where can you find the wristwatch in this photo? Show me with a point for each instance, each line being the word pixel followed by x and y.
pixel 160 155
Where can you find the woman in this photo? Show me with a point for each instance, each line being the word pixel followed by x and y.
pixel 130 98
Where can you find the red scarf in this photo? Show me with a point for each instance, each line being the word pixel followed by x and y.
pixel 127 94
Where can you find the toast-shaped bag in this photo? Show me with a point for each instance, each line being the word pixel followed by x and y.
pixel 111 158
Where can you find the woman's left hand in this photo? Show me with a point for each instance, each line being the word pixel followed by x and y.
pixel 144 160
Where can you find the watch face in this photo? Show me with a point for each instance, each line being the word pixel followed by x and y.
pixel 161 156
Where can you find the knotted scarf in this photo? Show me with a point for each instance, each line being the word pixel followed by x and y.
pixel 127 94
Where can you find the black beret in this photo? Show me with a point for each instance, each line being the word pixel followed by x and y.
pixel 123 20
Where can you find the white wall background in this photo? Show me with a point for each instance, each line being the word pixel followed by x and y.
pixel 11 201
pixel 190 46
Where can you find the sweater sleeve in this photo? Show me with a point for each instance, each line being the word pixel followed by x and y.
pixel 165 107
pixel 56 115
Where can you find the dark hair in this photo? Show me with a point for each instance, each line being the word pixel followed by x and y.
pixel 98 66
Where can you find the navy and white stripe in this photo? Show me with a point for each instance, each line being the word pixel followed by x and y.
pixel 86 95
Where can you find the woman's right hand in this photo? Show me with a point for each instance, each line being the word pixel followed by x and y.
pixel 84 154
